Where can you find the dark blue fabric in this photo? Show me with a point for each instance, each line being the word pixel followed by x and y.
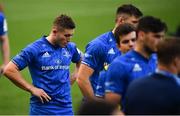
pixel 154 94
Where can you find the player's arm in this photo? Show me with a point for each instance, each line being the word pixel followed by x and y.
pixel 83 81
pixel 12 72
pixel 93 58
pixel 76 58
pixel 113 98
pixel 74 75
pixel 115 82
pixel 4 43
pixel 4 50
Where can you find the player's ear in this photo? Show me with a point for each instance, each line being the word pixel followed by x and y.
pixel 118 45
pixel 140 35
pixel 119 20
pixel 176 61
pixel 54 30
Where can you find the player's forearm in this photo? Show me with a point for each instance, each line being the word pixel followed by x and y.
pixel 14 75
pixel 86 88
pixel 75 73
pixel 84 84
pixel 5 49
pixel 73 77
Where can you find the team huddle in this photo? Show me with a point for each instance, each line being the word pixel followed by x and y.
pixel 132 66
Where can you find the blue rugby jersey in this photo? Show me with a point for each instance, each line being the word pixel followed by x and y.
pixel 125 69
pixel 101 50
pixel 100 89
pixel 3 24
pixel 49 69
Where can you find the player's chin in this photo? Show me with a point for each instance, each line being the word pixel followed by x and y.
pixel 64 44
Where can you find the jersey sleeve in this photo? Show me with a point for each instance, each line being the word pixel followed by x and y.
pixel 94 55
pixel 76 53
pixel 3 25
pixel 115 81
pixel 25 57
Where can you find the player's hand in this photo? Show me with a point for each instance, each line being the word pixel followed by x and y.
pixel 41 94
pixel 73 78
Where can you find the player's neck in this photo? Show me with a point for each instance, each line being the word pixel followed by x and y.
pixel 142 51
pixel 116 25
pixel 51 40
pixel 170 68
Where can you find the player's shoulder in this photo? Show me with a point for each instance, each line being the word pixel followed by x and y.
pixel 2 17
pixel 124 62
pixel 101 39
pixel 36 45
pixel 131 57
pixel 105 36
pixel 119 61
pixel 102 42
pixel 39 41
pixel 126 58
pixel 71 44
pixel 117 68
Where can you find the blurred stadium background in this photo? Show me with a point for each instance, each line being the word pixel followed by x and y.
pixel 28 20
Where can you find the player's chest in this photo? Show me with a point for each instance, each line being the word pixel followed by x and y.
pixel 111 54
pixel 54 57
pixel 139 70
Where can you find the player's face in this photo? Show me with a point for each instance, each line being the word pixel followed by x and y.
pixel 63 37
pixel 132 20
pixel 127 42
pixel 151 40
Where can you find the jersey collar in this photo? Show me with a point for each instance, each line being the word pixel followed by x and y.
pixel 53 46
pixel 169 74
